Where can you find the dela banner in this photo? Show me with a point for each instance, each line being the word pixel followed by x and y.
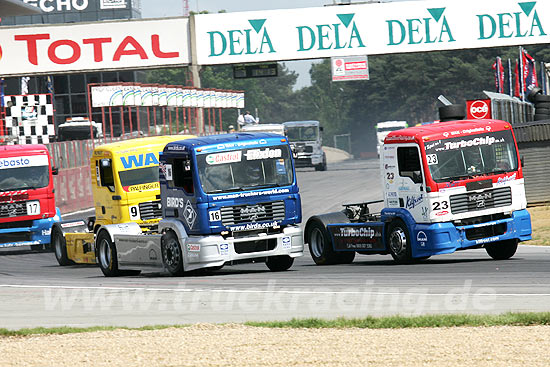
pixel 369 29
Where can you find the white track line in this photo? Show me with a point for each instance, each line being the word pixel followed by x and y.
pixel 259 291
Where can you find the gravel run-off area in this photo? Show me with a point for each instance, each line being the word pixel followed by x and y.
pixel 238 345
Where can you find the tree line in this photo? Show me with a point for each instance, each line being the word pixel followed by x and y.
pixel 401 87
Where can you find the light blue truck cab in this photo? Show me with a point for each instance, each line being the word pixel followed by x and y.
pixel 226 199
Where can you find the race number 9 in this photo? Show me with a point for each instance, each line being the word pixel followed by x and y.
pixel 215 216
pixel 33 207
pixel 134 212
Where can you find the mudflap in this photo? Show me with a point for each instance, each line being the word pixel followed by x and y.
pixel 361 237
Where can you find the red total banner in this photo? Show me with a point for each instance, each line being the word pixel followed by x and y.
pixel 128 44
pixel 478 109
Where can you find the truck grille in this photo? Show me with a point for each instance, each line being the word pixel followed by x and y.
pixel 11 210
pixel 150 210
pixel 473 201
pixel 15 237
pixel 255 246
pixel 18 224
pixel 260 212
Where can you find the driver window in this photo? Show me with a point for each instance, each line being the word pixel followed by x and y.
pixel 408 160
pixel 106 174
pixel 183 175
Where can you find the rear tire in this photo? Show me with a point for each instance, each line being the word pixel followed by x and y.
pixel 399 242
pixel 320 245
pixel 59 245
pixel 172 255
pixel 107 255
pixel 502 250
pixel 279 263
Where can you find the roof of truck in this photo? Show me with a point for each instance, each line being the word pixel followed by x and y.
pixel 141 143
pixel 444 130
pixel 301 123
pixel 225 141
pixel 23 149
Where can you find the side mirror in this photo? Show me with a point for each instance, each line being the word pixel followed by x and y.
pixel 522 160
pixel 321 129
pixel 55 171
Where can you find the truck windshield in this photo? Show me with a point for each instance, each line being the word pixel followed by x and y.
pixel 302 133
pixel 246 169
pixel 474 155
pixel 139 176
pixel 24 178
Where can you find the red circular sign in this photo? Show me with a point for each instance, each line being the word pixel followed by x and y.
pixel 339 62
pixel 479 110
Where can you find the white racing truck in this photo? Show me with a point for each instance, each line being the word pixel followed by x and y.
pixel 226 199
pixel 448 186
pixel 305 139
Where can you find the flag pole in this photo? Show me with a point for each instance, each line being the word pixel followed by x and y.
pixel 520 74
pixel 510 77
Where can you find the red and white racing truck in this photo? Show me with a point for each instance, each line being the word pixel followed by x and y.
pixel 27 201
pixel 447 186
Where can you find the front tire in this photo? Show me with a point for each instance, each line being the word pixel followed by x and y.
pixel 107 255
pixel 59 245
pixel 502 250
pixel 399 242
pixel 172 255
pixel 323 165
pixel 279 263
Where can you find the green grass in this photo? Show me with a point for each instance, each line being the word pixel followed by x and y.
pixel 395 322
pixel 73 330
pixel 391 322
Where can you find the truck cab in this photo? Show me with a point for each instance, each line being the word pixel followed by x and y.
pixel 306 141
pixel 457 185
pixel 27 200
pixel 448 186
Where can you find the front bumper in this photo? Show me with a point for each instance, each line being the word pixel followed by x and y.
pixel 444 238
pixel 38 233
pixel 308 160
pixel 213 251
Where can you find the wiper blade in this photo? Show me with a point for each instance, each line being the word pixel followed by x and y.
pixel 231 189
pixel 261 186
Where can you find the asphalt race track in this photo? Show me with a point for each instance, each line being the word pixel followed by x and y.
pixel 35 291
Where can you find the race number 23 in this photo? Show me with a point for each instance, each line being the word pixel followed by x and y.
pixel 440 205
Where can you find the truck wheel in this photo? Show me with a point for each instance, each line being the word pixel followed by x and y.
pixel 502 250
pixel 107 255
pixel 320 244
pixel 60 247
pixel 323 165
pixel 172 256
pixel 399 242
pixel 279 263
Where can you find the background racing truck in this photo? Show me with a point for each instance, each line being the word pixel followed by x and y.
pixel 27 201
pixel 447 187
pixel 125 188
pixel 305 138
pixel 226 199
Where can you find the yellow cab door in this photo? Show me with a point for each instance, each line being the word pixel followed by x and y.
pixel 104 183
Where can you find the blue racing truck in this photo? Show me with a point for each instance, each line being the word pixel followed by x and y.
pixel 226 199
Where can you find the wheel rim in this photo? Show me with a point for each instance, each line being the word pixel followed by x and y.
pixel 57 247
pixel 172 253
pixel 398 241
pixel 105 254
pixel 317 242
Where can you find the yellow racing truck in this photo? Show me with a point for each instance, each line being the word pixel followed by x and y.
pixel 125 188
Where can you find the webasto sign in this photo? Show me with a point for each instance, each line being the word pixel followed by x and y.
pixel 369 29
